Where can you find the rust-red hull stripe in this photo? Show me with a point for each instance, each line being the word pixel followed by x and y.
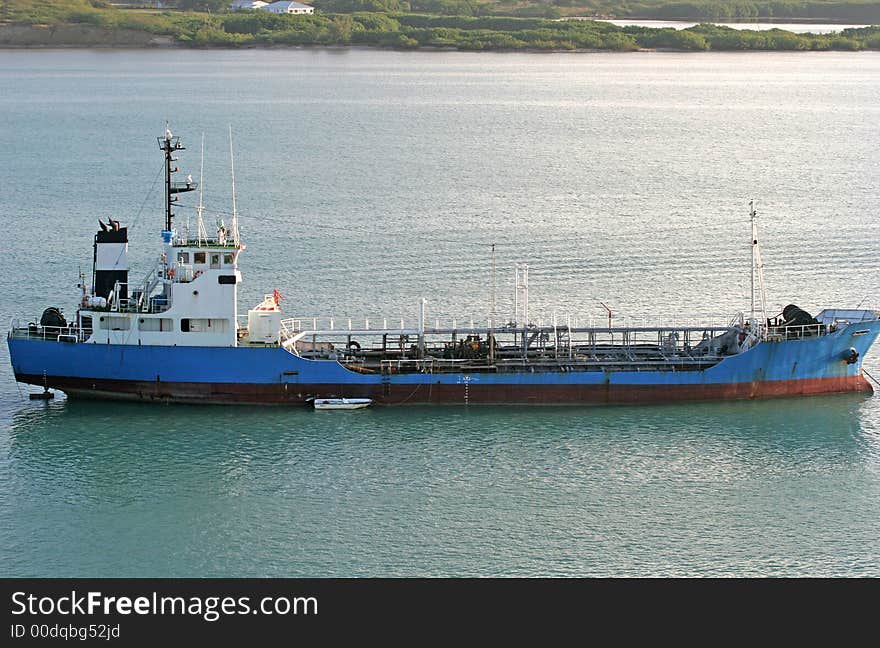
pixel 292 393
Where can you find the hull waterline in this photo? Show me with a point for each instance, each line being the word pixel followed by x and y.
pixel 256 394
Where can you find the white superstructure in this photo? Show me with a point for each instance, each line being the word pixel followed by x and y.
pixel 188 298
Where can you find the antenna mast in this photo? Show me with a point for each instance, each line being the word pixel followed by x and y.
pixel 494 284
pixel 492 312
pixel 235 236
pixel 201 232
pixel 757 268
pixel 169 144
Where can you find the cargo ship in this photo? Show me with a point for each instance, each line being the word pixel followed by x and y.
pixel 176 335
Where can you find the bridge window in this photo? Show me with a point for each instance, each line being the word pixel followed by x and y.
pixel 215 260
pixel 199 257
pixel 183 257
pixel 228 259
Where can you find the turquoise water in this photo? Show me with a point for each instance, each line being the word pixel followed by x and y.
pixel 367 180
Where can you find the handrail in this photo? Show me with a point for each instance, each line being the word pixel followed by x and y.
pixel 49 333
pixel 796 332
pixel 330 326
pixel 143 303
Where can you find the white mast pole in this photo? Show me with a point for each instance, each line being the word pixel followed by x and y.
pixel 757 269
pixel 492 312
pixel 516 294
pixel 494 284
pixel 752 215
pixel 201 233
pixel 235 237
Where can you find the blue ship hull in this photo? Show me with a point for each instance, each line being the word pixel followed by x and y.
pixel 271 375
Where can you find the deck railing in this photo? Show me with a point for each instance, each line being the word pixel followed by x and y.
pixel 70 333
pixel 633 341
pixel 379 325
pixel 781 333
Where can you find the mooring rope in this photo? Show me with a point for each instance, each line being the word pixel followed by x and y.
pixel 865 371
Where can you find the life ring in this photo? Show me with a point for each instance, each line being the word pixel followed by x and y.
pixel 197 274
pixel 171 273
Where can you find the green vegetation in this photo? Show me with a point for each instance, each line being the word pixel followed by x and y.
pixel 859 11
pixel 866 11
pixel 388 25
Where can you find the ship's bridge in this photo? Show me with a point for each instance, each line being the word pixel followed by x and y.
pixel 190 258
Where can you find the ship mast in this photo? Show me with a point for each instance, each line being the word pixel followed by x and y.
pixel 201 234
pixel 235 237
pixel 492 312
pixel 757 268
pixel 169 144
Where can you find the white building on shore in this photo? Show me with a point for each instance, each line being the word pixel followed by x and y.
pixel 288 7
pixel 240 5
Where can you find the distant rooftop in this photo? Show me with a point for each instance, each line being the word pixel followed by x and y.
pixel 248 4
pixel 289 4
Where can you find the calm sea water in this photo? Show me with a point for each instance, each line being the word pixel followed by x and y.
pixel 367 180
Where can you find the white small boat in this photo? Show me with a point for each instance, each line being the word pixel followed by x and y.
pixel 341 403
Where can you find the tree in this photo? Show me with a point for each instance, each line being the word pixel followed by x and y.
pixel 341 28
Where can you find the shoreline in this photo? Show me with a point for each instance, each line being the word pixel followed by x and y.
pixel 425 49
pixel 89 36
